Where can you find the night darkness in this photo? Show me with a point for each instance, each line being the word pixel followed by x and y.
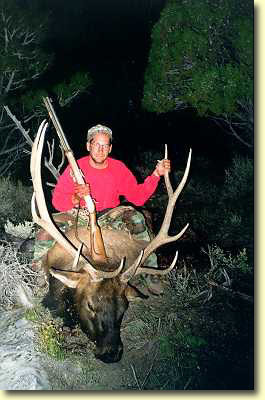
pixel 111 40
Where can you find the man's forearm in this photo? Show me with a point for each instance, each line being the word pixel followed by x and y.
pixel 139 194
pixel 62 201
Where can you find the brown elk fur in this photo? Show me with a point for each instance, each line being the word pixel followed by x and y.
pixel 118 244
pixel 100 305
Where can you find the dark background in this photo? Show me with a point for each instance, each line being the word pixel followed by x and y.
pixel 111 39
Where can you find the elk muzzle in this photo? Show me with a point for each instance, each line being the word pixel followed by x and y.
pixel 109 348
pixel 109 353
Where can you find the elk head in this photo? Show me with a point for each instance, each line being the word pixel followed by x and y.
pixel 102 294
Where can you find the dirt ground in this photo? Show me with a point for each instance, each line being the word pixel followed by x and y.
pixel 166 347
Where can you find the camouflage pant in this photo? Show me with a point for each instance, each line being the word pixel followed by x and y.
pixel 120 218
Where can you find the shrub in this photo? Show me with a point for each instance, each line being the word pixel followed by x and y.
pixel 23 230
pixel 237 206
pixel 222 213
pixel 18 282
pixel 50 337
pixel 224 263
pixel 51 340
pixel 239 182
pixel 15 201
pixel 222 269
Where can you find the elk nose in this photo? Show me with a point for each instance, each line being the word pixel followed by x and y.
pixel 110 356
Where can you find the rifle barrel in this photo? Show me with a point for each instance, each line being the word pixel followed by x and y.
pixel 56 123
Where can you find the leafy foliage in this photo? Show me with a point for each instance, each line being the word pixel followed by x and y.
pixel 64 92
pixel 223 213
pixel 235 265
pixel 67 90
pixel 51 340
pixel 202 57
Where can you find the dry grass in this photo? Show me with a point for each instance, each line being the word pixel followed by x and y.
pixel 18 282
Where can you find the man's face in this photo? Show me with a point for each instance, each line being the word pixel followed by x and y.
pixel 99 148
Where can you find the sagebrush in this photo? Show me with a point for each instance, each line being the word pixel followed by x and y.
pixel 17 279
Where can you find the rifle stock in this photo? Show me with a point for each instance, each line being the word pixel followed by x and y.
pixel 97 247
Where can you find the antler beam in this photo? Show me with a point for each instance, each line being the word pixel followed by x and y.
pixel 162 237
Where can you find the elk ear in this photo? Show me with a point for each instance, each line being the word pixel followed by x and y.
pixel 132 293
pixel 69 279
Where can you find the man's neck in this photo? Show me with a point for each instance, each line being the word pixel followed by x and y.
pixel 98 165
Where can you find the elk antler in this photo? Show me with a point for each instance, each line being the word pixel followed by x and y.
pixel 42 216
pixel 162 237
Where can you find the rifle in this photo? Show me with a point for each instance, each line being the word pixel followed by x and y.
pixel 97 248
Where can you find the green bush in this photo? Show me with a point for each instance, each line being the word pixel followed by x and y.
pixel 234 265
pixel 223 213
pixel 50 337
pixel 15 201
pixel 51 340
pixel 239 183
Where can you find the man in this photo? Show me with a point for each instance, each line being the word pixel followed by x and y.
pixel 106 180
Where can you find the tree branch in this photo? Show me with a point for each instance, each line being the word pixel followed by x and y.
pixel 231 131
pixel 232 292
pixel 19 126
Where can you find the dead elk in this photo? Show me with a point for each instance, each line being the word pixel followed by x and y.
pixel 102 292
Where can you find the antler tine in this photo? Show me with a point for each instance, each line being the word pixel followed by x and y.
pixel 127 275
pixel 155 271
pixel 77 256
pixel 34 148
pixel 166 152
pixel 173 198
pixel 166 177
pixel 184 178
pixel 95 274
pixel 99 275
pixel 163 237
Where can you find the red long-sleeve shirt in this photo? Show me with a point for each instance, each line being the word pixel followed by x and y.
pixel 106 186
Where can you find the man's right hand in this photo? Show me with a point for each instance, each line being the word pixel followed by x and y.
pixel 81 190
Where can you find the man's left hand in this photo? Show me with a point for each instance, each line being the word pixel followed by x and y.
pixel 162 167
